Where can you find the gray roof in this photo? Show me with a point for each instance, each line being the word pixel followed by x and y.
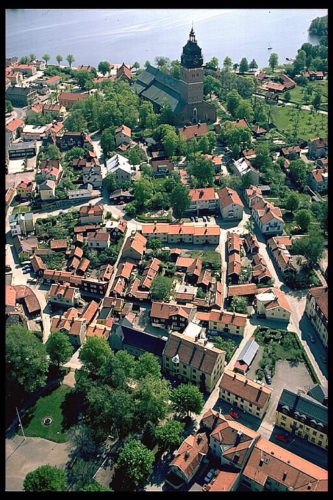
pixel 158 87
pixel 305 405
pixel 22 145
pixel 143 340
pixel 318 392
pixel 248 352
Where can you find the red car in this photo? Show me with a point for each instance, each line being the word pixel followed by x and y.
pixel 281 437
pixel 234 414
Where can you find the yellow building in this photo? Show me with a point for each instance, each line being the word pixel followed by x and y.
pixel 303 416
pixel 244 393
pixel 224 321
pixel 193 360
pixel 47 190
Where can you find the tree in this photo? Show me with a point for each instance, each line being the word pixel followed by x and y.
pixel 263 159
pixel 9 106
pixel 169 435
pixel 249 225
pixel 45 478
pixel 95 487
pixel 84 79
pixel 52 153
pixel 118 369
pixel 239 304
pixel 273 60
pixel 287 95
pixel 147 364
pixel 104 67
pixel 161 288
pixel 243 65
pixel 225 345
pixel 26 362
pixel 292 202
pixel 180 200
pixel 110 183
pixel 299 172
pixel 202 169
pixel 303 219
pixel 59 58
pixel 134 465
pixel 76 122
pixel 93 354
pixel 108 141
pixel 167 116
pixel 253 64
pixel 143 191
pixel 186 399
pixel 233 101
pixel 211 84
pixel 300 61
pixel 70 59
pixel 213 63
pixel 59 348
pixel 316 101
pixel 151 396
pixel 23 60
pixel 311 246
pixel 161 61
pixel 148 435
pixel 244 110
pixel 227 63
pixel 46 57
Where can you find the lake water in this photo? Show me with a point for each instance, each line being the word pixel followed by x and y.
pixel 117 35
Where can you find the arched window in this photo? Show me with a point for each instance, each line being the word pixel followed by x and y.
pixel 195 115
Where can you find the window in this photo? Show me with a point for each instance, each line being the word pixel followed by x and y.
pixel 314 433
pixel 283 417
pixel 320 443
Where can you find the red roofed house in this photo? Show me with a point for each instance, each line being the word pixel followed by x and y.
pixel 64 295
pixel 15 127
pixel 91 214
pixel 97 330
pixel 193 130
pixel 318 179
pixel 162 167
pixel 273 468
pixel 225 321
pixel 231 206
pixel 26 69
pixel 123 135
pixel 68 99
pixel 187 460
pixel 272 304
pixel 242 392
pixel 291 152
pixel 268 217
pixel 25 189
pixel 172 316
pixel 203 200
pixel 53 80
pixel 124 73
pixel 98 240
pixel 317 310
pixel 135 246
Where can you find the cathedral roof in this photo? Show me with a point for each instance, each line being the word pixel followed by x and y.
pixel 191 56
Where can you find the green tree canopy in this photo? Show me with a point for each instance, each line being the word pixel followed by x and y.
pixel 46 58
pixel 311 246
pixel 186 399
pixel 26 362
pixel 52 152
pixel 118 369
pixel 273 60
pixel 76 122
pixel 161 288
pixel 298 171
pixel 143 191
pixel 59 58
pixel 239 304
pixel 134 465
pixel 84 79
pixel 213 63
pixel 45 478
pixel 104 67
pixel 243 65
pixel 59 348
pixel 263 159
pixel 70 59
pixel 180 200
pixel 108 141
pixel 292 202
pixel 151 396
pixel 253 64
pixel 147 364
pixel 169 435
pixel 303 219
pixel 93 354
pixel 233 101
pixel 202 169
pixel 227 63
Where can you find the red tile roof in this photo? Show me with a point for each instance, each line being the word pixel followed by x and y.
pixel 189 455
pixel 193 130
pixel 227 317
pixel 124 130
pixel 37 263
pixel 245 388
pixel 246 289
pixel 87 210
pixel 202 194
pixel 58 244
pixel 317 174
pixel 10 296
pixel 228 196
pixel 90 311
pixel 14 124
pixel 125 270
pixel 98 236
pixel 72 96
pixel 320 295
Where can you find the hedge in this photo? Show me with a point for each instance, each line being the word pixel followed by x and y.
pixel 308 362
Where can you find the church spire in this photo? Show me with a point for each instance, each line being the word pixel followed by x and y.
pixel 192 35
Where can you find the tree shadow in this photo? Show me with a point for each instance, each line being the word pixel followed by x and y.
pixel 71 408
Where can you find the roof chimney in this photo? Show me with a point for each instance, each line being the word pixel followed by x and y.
pixel 284 475
pixel 234 376
pixel 245 382
pixel 186 455
pixel 199 439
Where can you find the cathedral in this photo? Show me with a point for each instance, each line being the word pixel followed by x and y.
pixel 185 96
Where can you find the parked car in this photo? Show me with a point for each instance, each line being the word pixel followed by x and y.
pixel 196 219
pixel 26 271
pixel 268 378
pixel 234 414
pixel 204 218
pixel 312 339
pixel 192 219
pixel 208 218
pixel 38 319
pixel 281 437
pixel 33 281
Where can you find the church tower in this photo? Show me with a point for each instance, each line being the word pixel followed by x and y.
pixel 191 71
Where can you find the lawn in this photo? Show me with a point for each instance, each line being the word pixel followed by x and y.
pixel 296 94
pixel 50 405
pixel 309 124
pixel 21 209
pixel 210 257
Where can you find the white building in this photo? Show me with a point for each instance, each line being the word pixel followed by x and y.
pixel 120 167
pixel 242 167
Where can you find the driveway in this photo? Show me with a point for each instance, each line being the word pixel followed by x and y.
pixel 25 455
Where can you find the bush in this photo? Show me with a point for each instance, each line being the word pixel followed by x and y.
pixel 260 374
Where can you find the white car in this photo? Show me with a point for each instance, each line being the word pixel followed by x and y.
pixel 209 475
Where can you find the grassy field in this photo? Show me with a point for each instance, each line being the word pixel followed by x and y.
pixel 21 209
pixel 51 405
pixel 209 256
pixel 309 124
pixel 296 94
